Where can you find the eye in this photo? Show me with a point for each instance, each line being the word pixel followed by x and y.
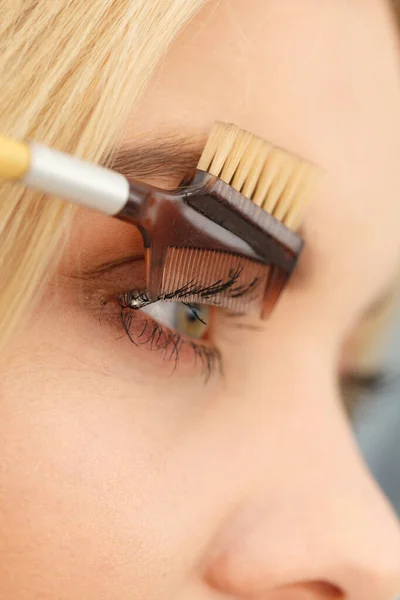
pixel 189 320
pixel 181 333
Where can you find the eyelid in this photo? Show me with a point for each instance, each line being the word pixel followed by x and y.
pixel 94 287
pixel 111 266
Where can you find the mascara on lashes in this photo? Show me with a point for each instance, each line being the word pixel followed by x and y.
pixel 139 299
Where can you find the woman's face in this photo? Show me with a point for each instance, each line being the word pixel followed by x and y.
pixel 132 473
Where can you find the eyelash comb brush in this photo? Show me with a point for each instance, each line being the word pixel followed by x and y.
pixel 226 237
pixel 279 186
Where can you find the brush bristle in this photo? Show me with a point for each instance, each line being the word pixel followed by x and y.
pixel 214 278
pixel 274 179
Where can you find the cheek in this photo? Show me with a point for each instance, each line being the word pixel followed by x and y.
pixel 85 483
pixel 70 506
pixel 104 492
pixel 93 496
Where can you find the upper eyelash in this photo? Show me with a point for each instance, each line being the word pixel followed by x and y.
pixel 138 299
pixel 193 288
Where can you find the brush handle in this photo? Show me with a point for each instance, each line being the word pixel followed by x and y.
pixel 53 172
pixel 14 158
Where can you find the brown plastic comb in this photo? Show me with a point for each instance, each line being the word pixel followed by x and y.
pixel 212 244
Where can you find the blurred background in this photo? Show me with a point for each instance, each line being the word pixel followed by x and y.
pixel 377 422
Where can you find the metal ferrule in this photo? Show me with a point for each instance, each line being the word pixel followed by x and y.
pixel 75 180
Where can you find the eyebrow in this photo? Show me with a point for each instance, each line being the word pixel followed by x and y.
pixel 171 156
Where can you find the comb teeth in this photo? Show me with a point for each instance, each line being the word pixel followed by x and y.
pixel 214 278
pixel 277 181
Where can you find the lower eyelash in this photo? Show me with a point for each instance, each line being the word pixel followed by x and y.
pixel 144 331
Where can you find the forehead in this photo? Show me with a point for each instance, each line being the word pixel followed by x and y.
pixel 320 79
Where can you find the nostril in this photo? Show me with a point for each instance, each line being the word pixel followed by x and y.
pixel 314 590
pixel 325 590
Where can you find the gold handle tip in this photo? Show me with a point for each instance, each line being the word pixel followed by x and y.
pixel 14 158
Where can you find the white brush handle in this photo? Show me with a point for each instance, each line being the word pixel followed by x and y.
pixel 75 180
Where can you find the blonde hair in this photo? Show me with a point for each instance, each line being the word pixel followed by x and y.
pixel 71 70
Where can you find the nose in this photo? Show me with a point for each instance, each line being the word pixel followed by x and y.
pixel 314 525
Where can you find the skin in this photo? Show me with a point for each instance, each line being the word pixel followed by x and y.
pixel 120 480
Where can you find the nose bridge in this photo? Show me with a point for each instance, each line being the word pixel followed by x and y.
pixel 314 513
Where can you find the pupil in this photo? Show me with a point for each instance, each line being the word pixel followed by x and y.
pixel 191 316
